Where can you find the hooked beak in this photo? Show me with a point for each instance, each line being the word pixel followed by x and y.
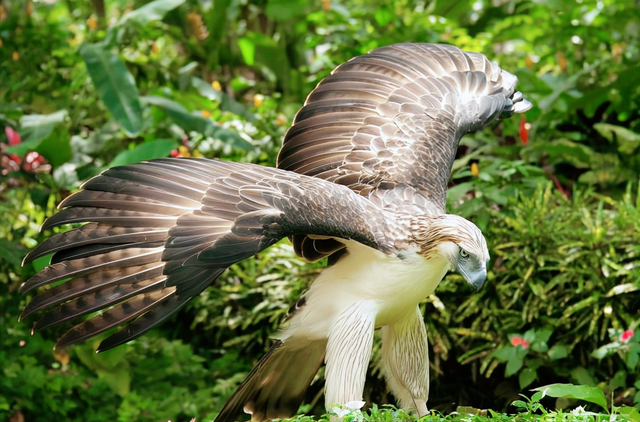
pixel 475 278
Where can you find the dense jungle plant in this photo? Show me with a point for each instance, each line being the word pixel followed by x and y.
pixel 81 90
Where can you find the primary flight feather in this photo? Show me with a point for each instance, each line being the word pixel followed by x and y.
pixel 362 179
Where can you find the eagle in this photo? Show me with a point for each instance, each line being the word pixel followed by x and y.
pixel 361 179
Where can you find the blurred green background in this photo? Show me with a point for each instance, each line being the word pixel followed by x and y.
pixel 87 85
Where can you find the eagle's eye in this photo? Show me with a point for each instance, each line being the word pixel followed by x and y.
pixel 464 254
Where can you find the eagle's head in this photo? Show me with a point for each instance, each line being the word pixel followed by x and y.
pixel 458 240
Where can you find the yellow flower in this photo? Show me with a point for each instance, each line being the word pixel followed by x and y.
pixel 15 56
pixel 475 169
pixel 206 114
pixel 92 22
pixel 281 120
pixel 258 99
pixel 216 85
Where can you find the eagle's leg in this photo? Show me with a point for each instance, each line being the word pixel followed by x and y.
pixel 405 362
pixel 348 354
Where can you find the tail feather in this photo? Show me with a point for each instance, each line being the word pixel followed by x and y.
pixel 275 387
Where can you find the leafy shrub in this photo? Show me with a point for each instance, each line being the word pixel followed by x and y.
pixel 564 272
pixel 223 79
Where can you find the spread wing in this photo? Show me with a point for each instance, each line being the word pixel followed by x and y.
pixel 387 124
pixel 158 233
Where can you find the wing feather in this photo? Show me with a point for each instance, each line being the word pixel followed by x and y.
pixel 394 118
pixel 160 232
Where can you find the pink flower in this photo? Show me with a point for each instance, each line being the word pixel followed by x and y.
pixel 626 336
pixel 12 135
pixel 519 341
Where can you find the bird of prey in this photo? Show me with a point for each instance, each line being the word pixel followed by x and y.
pixel 362 178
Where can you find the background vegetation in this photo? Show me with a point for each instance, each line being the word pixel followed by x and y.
pixel 87 85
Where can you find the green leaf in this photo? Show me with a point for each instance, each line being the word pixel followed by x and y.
pixel 192 122
pixel 182 117
pixel 57 147
pixel 579 392
pixel 383 16
pixel 248 50
pixel 37 127
pixel 145 151
pixel 154 11
pixel 612 175
pixel 456 10
pixel 582 376
pixel 631 413
pixel 504 355
pixel 513 365
pixel 632 357
pixel 40 263
pixel 526 377
pixel 604 351
pixel 565 150
pixel 119 379
pixel 115 85
pixel 558 351
pixel 11 252
pixel 226 103
pixel 43 135
pixel 627 140
pixel 284 10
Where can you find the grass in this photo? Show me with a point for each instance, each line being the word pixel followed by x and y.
pixel 530 410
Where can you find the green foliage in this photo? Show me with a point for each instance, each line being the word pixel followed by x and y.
pixel 579 392
pixel 223 79
pixel 564 273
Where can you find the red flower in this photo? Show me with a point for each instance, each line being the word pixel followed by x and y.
pixel 519 341
pixel 524 131
pixel 626 336
pixel 12 135
pixel 175 153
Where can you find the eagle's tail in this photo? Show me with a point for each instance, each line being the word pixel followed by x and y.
pixel 275 387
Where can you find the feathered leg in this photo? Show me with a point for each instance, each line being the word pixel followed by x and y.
pixel 405 362
pixel 348 354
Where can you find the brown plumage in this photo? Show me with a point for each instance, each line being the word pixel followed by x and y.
pixel 149 259
pixel 387 124
pixel 363 178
